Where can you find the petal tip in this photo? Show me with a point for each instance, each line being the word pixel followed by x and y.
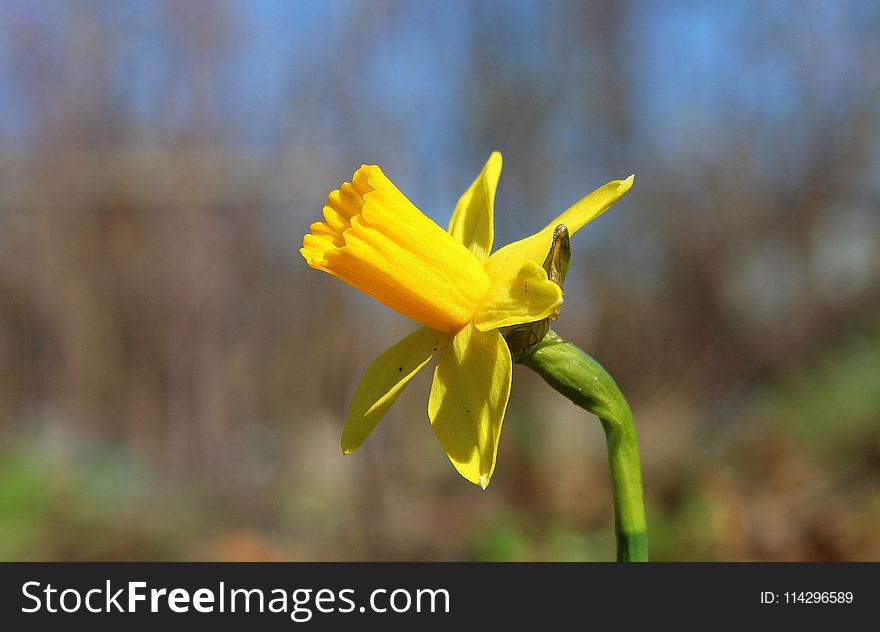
pixel 484 481
pixel 626 185
pixel 347 445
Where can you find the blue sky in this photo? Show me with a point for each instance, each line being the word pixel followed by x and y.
pixel 694 70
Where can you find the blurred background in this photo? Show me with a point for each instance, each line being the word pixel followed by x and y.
pixel 174 378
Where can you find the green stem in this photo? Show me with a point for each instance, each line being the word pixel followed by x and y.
pixel 583 380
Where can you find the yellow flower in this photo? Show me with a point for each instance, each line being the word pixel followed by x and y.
pixel 376 240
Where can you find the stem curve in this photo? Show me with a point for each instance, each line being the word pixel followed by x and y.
pixel 587 384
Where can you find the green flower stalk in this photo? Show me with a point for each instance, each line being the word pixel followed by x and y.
pixel 587 384
pixel 583 380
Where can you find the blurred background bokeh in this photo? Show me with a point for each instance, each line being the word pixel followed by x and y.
pixel 174 378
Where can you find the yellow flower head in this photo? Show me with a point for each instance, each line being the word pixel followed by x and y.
pixel 376 240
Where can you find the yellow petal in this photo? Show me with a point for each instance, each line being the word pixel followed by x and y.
pixel 385 380
pixel 473 222
pixel 506 262
pixel 468 400
pixel 374 239
pixel 525 298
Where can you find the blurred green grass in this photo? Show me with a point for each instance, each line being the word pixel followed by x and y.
pixel 818 498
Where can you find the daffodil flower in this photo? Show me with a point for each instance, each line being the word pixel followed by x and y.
pixel 377 241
